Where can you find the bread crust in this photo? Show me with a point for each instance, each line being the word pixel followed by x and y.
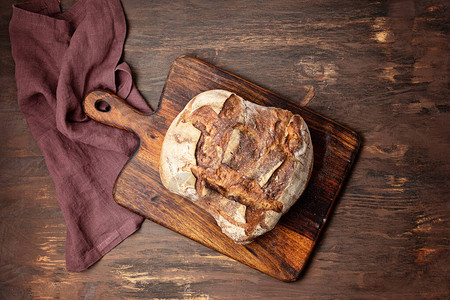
pixel 240 219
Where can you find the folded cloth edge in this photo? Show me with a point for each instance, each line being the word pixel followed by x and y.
pixel 47 12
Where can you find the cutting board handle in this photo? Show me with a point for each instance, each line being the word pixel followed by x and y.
pixel 105 107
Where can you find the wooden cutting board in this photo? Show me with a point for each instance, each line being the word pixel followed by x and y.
pixel 282 252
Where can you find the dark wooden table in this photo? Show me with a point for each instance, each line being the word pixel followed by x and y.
pixel 378 67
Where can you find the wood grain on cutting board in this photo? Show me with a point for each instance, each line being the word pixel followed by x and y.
pixel 280 253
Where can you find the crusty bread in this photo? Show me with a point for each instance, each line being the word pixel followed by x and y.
pixel 243 163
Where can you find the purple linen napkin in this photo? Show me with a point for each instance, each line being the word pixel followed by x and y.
pixel 59 58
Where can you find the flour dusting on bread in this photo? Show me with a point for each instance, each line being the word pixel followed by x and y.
pixel 243 163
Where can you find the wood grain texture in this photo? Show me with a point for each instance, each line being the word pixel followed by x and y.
pixel 280 253
pixel 379 67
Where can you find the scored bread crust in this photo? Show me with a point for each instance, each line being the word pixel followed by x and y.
pixel 178 158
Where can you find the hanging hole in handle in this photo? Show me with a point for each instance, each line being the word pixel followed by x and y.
pixel 102 105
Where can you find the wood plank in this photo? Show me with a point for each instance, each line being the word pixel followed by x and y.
pixel 379 67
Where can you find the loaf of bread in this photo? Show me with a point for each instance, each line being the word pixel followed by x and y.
pixel 243 163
